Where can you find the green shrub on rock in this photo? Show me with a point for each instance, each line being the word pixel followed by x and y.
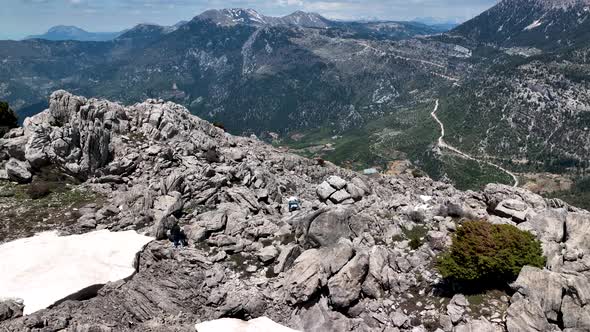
pixel 8 118
pixel 484 252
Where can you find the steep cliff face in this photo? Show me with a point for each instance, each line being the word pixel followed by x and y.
pixel 342 262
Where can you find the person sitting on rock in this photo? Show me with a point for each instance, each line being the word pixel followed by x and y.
pixel 177 236
pixel 294 204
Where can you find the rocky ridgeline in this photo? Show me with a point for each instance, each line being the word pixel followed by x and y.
pixel 341 263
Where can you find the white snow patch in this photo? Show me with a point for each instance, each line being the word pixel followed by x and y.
pixel 47 268
pixel 425 199
pixel 533 25
pixel 261 324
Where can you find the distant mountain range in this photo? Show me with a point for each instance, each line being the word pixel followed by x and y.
pixel 512 83
pixel 63 32
pixel 439 23
pixel 233 16
pixel 291 71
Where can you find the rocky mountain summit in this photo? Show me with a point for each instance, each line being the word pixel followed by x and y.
pixel 543 24
pixel 233 16
pixel 358 256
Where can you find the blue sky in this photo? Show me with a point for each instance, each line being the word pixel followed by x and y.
pixel 19 18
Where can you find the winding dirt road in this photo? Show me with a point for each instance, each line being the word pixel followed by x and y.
pixel 444 145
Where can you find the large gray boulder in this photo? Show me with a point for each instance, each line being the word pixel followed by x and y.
pixel 580 285
pixel 355 191
pixel 313 268
pixel 345 286
pixel 575 316
pixel 542 287
pixel 456 308
pixel 14 148
pixel 336 182
pixel 18 171
pixel 577 226
pixel 329 227
pixel 340 196
pixel 320 318
pixel 381 275
pixel 325 190
pixel 496 193
pixel 287 257
pixel 164 207
pixel 40 141
pixel 10 309
pixel 324 227
pixel 513 208
pixel 267 254
pixel 549 224
pixel 526 316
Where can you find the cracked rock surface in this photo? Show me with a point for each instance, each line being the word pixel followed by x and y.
pixel 341 263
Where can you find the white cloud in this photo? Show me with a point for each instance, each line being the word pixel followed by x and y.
pixel 290 3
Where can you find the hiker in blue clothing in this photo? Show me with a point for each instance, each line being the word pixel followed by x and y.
pixel 294 204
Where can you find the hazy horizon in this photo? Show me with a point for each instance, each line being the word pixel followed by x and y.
pixel 20 18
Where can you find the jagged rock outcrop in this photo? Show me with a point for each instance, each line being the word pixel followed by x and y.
pixel 10 309
pixel 343 262
pixel 18 171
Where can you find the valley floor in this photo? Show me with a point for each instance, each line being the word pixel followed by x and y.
pixel 444 145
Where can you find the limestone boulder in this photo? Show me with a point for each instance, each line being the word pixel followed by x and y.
pixel 340 196
pixel 329 226
pixel 325 190
pixel 320 318
pixel 287 257
pixel 526 316
pixel 267 254
pixel 345 286
pixel 542 287
pixel 356 192
pixel 575 316
pixel 549 224
pixel 313 268
pixel 496 193
pixel 10 309
pixel 577 226
pixel 381 276
pixel 456 308
pixel 336 182
pixel 18 171
pixel 513 208
pixel 14 148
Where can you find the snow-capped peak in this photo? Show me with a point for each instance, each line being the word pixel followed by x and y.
pixel 234 16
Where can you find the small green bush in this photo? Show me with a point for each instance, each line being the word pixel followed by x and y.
pixel 219 125
pixel 38 190
pixel 415 235
pixel 418 173
pixel 8 119
pixel 484 252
